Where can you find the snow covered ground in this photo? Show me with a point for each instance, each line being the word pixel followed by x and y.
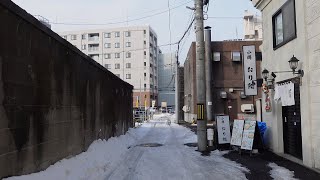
pixel 120 158
pixel 280 173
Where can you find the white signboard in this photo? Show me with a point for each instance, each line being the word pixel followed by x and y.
pixel 237 131
pixel 223 129
pixel 250 71
pixel 248 134
pixel 153 103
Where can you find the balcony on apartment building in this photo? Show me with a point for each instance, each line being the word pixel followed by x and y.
pixel 93 47
pixel 93 37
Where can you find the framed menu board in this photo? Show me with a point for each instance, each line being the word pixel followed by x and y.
pixel 237 131
pixel 248 134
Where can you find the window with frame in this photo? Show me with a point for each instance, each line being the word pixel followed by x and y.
pixel 64 37
pixel 236 56
pixel 128 34
pixel 117 45
pixel 107 35
pixel 83 47
pixel 284 24
pixel 117 55
pixel 107 45
pixel 107 56
pixel 128 44
pixel 107 66
pixel 117 34
pixel 128 76
pixel 73 37
pixel 128 55
pixel 128 65
pixel 216 56
pixel 83 36
pixel 117 66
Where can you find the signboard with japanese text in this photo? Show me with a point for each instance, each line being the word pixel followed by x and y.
pixel 250 71
pixel 248 134
pixel 237 131
pixel 223 127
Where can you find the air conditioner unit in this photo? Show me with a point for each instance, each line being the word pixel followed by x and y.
pixel 247 108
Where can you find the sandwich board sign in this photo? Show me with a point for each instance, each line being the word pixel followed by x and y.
pixel 237 131
pixel 248 134
pixel 223 127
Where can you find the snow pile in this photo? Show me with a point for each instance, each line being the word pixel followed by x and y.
pixel 90 164
pixel 113 159
pixel 280 173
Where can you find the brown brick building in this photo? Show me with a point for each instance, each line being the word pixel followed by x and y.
pixel 227 75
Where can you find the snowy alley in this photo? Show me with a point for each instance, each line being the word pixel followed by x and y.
pixel 132 157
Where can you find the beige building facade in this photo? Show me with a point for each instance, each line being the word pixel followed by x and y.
pixel 131 53
pixel 292 27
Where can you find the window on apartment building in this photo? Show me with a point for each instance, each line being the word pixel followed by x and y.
pixel 107 35
pixel 128 54
pixel 83 47
pixel 128 76
pixel 83 36
pixel 145 74
pixel 128 44
pixel 145 64
pixel 144 31
pixel 64 37
pixel 128 65
pixel 73 37
pixel 128 34
pixel 284 24
pixel 117 66
pixel 145 86
pixel 117 45
pixel 236 56
pixel 117 34
pixel 216 56
pixel 151 55
pixel 107 56
pixel 107 66
pixel 117 55
pixel 107 45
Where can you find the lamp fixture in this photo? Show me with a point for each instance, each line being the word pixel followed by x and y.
pixel 293 64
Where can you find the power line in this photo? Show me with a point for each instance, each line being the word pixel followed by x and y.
pixel 225 17
pixel 121 22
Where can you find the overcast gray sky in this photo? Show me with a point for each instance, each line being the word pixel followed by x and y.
pixel 126 12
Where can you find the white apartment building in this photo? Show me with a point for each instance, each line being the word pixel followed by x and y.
pixel 252 25
pixel 292 28
pixel 131 53
pixel 166 66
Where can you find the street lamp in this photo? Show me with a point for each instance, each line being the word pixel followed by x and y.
pixel 293 64
pixel 265 74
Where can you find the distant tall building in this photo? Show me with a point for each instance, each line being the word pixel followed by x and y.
pixel 252 26
pixel 166 66
pixel 131 53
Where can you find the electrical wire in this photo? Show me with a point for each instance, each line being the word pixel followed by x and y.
pixel 121 22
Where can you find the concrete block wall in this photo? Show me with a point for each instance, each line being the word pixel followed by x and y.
pixel 55 101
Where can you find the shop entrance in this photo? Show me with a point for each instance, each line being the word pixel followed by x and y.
pixel 291 116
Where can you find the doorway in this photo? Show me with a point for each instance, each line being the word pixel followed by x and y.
pixel 291 117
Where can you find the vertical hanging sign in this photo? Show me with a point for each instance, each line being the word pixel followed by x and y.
pixel 250 71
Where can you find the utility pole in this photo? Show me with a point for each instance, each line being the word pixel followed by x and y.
pixel 208 67
pixel 200 78
pixel 177 108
